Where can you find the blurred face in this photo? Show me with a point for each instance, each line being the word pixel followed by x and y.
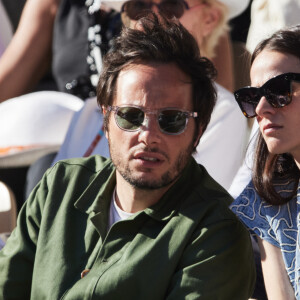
pixel 148 158
pixel 280 127
pixel 136 9
pixel 197 19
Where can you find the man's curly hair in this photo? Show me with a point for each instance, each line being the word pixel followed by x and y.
pixel 159 40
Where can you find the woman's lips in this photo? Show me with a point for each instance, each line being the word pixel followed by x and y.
pixel 271 128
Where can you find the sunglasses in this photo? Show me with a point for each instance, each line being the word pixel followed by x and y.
pixel 277 91
pixel 171 121
pixel 136 9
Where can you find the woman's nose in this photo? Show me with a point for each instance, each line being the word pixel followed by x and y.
pixel 264 107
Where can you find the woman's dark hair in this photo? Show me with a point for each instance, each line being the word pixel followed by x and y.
pixel 159 40
pixel 271 169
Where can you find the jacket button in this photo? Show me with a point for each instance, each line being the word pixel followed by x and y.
pixel 84 273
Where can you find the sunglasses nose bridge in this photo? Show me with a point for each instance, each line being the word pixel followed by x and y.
pixel 149 131
pixel 150 119
pixel 260 93
pixel 263 106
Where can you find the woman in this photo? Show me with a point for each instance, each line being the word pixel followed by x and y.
pixel 270 204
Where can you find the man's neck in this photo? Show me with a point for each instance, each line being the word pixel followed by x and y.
pixel 131 199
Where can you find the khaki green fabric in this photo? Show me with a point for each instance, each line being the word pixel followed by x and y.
pixel 187 246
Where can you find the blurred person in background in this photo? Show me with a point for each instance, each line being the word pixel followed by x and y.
pixel 54 48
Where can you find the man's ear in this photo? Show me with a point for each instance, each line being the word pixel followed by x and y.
pixel 211 20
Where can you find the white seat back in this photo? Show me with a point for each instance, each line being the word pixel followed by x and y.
pixel 8 209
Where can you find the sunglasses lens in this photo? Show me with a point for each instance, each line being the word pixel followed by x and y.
pixel 248 99
pixel 129 118
pixel 172 121
pixel 172 9
pixel 277 91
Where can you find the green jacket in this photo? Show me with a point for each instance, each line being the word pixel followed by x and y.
pixel 187 246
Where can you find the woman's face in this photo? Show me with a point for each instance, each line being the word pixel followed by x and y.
pixel 280 127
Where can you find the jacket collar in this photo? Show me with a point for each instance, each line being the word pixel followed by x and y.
pixel 97 196
pixel 98 193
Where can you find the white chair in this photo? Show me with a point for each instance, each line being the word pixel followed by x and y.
pixel 34 125
pixel 8 209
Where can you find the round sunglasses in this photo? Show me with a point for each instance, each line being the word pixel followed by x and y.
pixel 136 9
pixel 277 91
pixel 171 121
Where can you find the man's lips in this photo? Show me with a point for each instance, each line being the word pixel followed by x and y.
pixel 150 156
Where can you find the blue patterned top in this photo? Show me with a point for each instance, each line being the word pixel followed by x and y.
pixel 279 225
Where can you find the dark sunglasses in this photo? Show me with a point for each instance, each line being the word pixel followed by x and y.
pixel 136 9
pixel 170 120
pixel 277 91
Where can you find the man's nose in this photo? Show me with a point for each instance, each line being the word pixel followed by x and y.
pixel 150 132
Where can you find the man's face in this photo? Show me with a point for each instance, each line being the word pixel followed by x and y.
pixel 148 158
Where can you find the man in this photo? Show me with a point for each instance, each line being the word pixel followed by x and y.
pixel 221 148
pixel 151 223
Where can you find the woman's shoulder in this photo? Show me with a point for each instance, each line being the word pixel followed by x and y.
pixel 250 198
pixel 270 222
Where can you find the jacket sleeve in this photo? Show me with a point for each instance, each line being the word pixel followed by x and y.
pixel 217 264
pixel 17 256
